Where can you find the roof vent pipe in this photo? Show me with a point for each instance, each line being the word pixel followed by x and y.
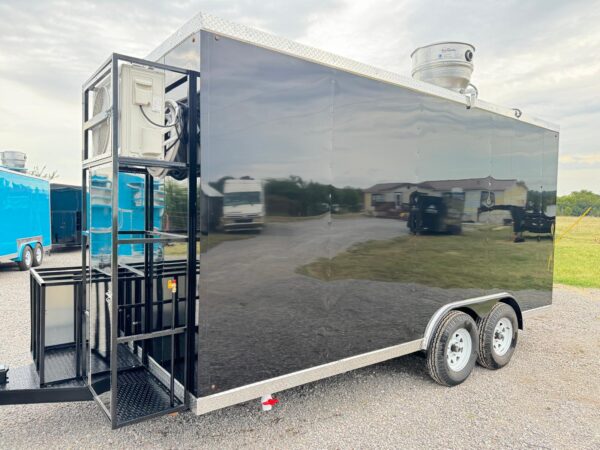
pixel 13 160
pixel 448 65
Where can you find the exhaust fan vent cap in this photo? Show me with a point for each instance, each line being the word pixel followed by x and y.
pixel 446 64
pixel 13 160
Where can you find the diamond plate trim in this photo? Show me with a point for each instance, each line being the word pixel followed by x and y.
pixel 140 394
pixel 243 33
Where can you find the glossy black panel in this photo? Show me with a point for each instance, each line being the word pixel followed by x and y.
pixel 266 121
pixel 348 210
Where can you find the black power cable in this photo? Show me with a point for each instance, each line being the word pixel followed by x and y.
pixel 173 125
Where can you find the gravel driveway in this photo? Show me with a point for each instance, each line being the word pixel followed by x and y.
pixel 548 397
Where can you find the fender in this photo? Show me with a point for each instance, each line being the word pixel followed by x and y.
pixel 476 307
pixel 22 243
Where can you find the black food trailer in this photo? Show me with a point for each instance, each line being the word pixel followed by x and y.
pixel 65 214
pixel 215 319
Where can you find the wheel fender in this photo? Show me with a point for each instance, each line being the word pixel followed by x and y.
pixel 20 251
pixel 515 305
pixel 22 247
pixel 476 307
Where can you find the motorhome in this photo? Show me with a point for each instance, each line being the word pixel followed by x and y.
pixel 243 205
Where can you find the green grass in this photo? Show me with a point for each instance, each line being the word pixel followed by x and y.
pixel 335 216
pixel 577 254
pixel 209 241
pixel 445 261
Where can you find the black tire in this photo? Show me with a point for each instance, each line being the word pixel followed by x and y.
pixel 487 355
pixel 26 258
pixel 38 255
pixel 437 361
pixel 454 229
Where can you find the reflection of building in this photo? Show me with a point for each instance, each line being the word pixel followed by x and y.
pixel 388 199
pixel 391 199
pixel 211 208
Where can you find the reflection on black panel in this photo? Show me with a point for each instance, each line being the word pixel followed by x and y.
pixel 345 211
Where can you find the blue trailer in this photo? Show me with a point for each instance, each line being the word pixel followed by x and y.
pixel 24 218
pixel 131 214
pixel 65 207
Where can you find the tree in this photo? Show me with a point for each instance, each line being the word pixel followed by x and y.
pixel 41 172
pixel 294 196
pixel 576 203
pixel 175 205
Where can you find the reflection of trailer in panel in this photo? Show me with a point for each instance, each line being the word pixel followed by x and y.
pixel 438 214
pixel 315 294
pixel 65 206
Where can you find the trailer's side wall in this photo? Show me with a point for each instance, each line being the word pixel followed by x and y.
pixel 65 206
pixel 24 210
pixel 324 280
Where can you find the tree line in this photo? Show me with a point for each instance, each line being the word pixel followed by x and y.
pixel 291 196
pixel 576 203
pixel 294 196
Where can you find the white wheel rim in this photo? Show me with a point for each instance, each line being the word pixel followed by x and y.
pixel 38 254
pixel 458 351
pixel 28 258
pixel 503 336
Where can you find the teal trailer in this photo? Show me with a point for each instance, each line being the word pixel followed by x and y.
pixel 24 218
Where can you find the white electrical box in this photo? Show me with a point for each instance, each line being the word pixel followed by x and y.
pixel 142 106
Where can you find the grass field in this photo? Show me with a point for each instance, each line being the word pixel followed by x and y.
pixel 463 261
pixel 210 241
pixel 445 261
pixel 577 254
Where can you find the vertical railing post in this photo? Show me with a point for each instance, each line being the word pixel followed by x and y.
pixel 114 288
pixel 190 334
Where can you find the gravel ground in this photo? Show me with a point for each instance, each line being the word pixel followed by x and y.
pixel 548 397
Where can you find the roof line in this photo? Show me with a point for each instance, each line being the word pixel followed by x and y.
pixel 207 22
pixel 24 174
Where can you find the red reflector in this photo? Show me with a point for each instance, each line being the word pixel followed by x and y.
pixel 271 402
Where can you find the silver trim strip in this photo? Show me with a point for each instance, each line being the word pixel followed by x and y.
pixel 433 322
pixel 159 372
pixel 252 391
pixel 529 313
pixel 243 33
pixel 278 384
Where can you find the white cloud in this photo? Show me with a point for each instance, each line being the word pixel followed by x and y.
pixel 540 56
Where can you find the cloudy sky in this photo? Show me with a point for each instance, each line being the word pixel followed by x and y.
pixel 542 56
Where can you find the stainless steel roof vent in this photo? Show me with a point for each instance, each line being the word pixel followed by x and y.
pixel 13 160
pixel 446 64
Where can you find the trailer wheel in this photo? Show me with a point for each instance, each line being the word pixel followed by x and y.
pixel 38 255
pixel 452 351
pixel 498 333
pixel 26 258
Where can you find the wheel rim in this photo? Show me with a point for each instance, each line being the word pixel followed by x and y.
pixel 38 254
pixel 503 336
pixel 27 258
pixel 458 351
